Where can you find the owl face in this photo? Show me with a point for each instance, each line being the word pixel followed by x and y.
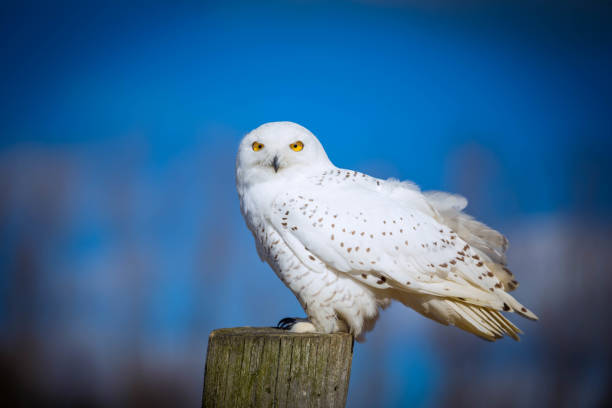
pixel 279 148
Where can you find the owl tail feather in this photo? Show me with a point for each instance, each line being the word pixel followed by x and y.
pixel 482 321
pixel 486 323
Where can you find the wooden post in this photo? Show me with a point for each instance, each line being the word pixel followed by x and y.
pixel 267 367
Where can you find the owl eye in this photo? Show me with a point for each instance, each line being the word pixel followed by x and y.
pixel 257 146
pixel 297 146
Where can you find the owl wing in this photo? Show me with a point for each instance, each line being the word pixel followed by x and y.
pixel 366 231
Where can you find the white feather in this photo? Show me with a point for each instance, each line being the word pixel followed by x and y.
pixel 346 243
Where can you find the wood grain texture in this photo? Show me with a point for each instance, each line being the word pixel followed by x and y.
pixel 267 367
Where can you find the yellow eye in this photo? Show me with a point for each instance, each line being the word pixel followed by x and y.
pixel 257 146
pixel 297 146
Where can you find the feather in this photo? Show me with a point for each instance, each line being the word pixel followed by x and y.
pixel 475 233
pixel 347 243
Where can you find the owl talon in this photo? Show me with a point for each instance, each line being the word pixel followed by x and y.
pixel 296 325
pixel 286 323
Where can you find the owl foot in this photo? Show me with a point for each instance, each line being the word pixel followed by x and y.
pixel 296 325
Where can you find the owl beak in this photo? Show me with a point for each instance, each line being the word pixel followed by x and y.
pixel 275 164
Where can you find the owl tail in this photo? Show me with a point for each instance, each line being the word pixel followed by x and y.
pixel 486 323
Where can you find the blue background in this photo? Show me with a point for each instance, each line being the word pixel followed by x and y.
pixel 121 240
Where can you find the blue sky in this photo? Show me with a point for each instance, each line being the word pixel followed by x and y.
pixel 398 85
pixel 120 126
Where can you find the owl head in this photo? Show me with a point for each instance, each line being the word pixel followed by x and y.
pixel 278 149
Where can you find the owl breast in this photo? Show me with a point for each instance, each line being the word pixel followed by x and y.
pixel 333 301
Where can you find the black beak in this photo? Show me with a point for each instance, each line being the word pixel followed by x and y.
pixel 275 164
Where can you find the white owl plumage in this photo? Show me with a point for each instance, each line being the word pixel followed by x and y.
pixel 347 244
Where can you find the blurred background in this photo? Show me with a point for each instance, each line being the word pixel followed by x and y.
pixel 121 241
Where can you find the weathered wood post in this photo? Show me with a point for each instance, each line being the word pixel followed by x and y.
pixel 267 367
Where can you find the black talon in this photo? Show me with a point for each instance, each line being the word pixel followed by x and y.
pixel 286 323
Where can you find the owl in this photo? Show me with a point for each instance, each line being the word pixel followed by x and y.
pixel 347 244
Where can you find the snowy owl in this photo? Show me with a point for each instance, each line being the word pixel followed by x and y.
pixel 347 244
